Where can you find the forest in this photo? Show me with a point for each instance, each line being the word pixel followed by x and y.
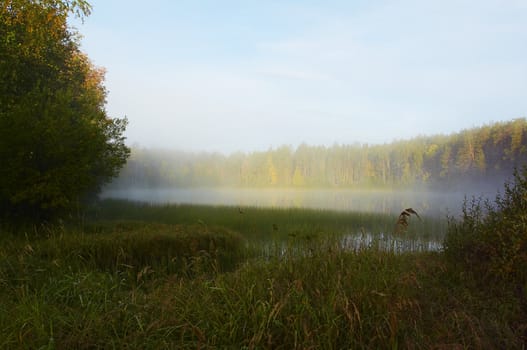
pixel 485 155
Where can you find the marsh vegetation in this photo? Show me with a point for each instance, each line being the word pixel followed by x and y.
pixel 156 276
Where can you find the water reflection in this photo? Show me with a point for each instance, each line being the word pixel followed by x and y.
pixel 389 243
pixel 389 202
pixel 352 242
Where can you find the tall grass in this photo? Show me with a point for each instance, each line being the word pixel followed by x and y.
pixel 62 286
pixel 262 224
pixel 180 277
pixel 327 298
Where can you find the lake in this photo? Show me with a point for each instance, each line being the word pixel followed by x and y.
pixel 437 204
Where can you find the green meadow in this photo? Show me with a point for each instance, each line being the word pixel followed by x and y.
pixel 139 276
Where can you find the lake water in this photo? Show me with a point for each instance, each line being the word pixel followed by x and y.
pixel 429 204
pixel 389 243
pixel 357 242
pixel 389 202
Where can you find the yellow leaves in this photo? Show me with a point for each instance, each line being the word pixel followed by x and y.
pixel 55 92
pixel 298 178
pixel 432 150
pixel 273 175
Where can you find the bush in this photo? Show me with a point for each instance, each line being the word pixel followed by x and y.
pixel 491 237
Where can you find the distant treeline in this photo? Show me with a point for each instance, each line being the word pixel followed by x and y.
pixel 482 155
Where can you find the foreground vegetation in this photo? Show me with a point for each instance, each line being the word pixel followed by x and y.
pixel 75 292
pixel 182 277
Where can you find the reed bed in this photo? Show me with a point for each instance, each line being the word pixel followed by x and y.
pixel 181 277
pixel 264 224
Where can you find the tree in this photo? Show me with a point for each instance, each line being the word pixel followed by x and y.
pixel 57 144
pixel 271 170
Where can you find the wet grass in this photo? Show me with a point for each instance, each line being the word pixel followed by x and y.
pixel 187 277
pixel 264 224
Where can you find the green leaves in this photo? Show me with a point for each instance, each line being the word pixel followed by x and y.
pixel 491 238
pixel 57 144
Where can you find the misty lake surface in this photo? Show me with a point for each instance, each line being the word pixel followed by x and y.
pixel 437 204
pixel 431 204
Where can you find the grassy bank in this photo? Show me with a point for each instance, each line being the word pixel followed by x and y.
pixel 189 277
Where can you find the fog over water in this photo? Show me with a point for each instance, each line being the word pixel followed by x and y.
pixel 382 201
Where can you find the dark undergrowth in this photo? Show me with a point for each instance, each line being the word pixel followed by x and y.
pixel 329 298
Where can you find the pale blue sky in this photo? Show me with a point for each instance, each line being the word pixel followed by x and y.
pixel 249 75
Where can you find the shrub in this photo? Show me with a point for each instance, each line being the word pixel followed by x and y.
pixel 490 238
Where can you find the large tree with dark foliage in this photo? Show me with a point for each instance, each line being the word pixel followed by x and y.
pixel 57 143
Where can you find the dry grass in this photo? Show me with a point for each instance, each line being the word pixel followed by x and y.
pixel 401 226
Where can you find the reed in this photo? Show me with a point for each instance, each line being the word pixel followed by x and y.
pixel 161 281
pixel 265 224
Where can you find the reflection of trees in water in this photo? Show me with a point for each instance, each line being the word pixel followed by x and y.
pixel 385 242
pixel 389 202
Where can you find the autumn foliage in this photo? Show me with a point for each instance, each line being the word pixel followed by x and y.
pixel 57 144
